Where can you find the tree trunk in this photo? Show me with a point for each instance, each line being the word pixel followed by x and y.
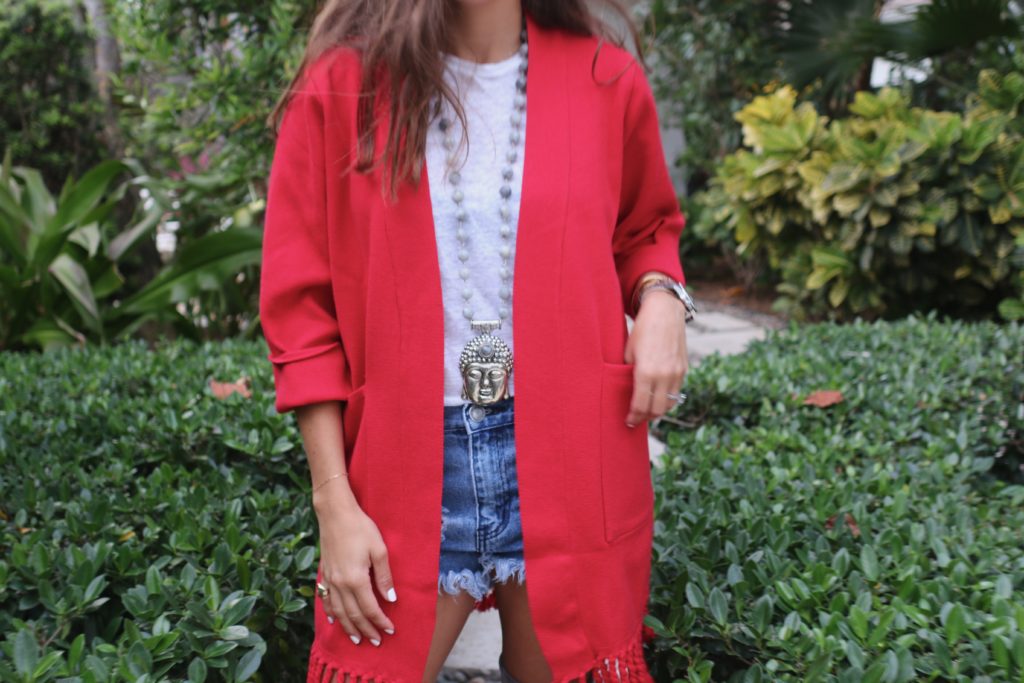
pixel 107 61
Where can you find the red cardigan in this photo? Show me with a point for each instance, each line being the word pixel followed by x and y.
pixel 351 309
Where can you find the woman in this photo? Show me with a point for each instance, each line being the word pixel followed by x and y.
pixel 428 188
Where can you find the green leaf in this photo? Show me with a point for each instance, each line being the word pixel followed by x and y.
pixel 248 665
pixel 26 652
pixel 869 562
pixel 72 276
pixel 718 605
pixel 956 624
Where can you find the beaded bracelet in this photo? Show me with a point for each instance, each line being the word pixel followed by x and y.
pixel 333 476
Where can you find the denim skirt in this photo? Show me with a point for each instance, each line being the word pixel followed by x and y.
pixel 481 531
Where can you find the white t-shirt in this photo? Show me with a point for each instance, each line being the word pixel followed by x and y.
pixel 487 92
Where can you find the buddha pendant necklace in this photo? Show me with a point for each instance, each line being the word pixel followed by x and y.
pixel 486 360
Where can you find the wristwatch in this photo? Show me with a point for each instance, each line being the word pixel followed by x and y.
pixel 668 284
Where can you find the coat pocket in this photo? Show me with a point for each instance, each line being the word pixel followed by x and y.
pixel 626 486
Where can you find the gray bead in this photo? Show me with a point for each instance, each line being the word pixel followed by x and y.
pixel 521 83
pixel 444 124
pixel 524 49
pixel 449 144
pixel 505 231
pixel 458 196
pixel 520 101
pixel 507 173
pixel 463 255
pixel 462 215
pixel 506 212
pixel 455 177
pixel 467 313
pixel 464 273
pixel 505 293
pixel 503 313
pixel 504 250
pixel 506 191
pixel 467 293
pixel 516 118
pixel 512 156
pixel 506 272
pixel 462 234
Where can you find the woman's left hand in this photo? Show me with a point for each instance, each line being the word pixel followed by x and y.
pixel 657 346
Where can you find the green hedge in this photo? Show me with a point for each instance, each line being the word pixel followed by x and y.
pixel 149 530
pixel 880 538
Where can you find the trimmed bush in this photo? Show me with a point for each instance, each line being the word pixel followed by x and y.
pixel 874 534
pixel 151 531
pixel 891 210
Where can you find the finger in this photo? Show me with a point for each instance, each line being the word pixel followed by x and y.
pixel 640 404
pixel 661 403
pixel 351 609
pixel 375 616
pixel 338 609
pixel 385 583
pixel 365 605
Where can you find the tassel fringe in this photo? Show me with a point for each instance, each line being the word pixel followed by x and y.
pixel 323 671
pixel 626 665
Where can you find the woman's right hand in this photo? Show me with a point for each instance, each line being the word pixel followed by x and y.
pixel 350 545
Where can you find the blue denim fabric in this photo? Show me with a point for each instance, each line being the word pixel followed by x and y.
pixel 481 531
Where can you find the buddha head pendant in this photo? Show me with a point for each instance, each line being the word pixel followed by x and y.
pixel 486 366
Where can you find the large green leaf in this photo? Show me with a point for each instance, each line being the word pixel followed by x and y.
pixel 73 277
pixel 202 265
pixel 85 194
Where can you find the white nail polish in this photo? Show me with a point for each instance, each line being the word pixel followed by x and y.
pixel 389 631
pixel 391 595
pixel 330 620
pixel 375 642
pixel 355 639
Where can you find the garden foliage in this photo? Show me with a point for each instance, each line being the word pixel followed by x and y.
pixel 49 115
pixel 874 538
pixel 892 209
pixel 152 531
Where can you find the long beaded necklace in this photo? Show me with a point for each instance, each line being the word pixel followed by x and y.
pixel 486 360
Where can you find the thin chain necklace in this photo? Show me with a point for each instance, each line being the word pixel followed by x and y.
pixel 486 360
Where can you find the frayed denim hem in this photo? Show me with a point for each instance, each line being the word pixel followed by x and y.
pixel 478 584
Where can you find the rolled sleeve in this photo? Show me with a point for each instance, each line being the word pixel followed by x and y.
pixel 650 222
pixel 297 311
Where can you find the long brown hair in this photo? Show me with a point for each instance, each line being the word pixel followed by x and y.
pixel 404 38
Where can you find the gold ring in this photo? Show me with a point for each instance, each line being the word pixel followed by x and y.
pixel 321 590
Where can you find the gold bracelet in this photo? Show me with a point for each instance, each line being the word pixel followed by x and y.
pixel 334 476
pixel 656 276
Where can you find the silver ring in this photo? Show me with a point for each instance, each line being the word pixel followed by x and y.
pixel 321 590
pixel 678 398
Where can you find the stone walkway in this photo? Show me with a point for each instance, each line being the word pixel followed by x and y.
pixel 716 328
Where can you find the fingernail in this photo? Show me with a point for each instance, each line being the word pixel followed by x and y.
pixel 389 631
pixel 330 620
pixel 391 595
pixel 355 639
pixel 375 642
pixel 630 425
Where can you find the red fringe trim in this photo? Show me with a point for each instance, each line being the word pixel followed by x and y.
pixel 626 665
pixel 487 602
pixel 323 671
